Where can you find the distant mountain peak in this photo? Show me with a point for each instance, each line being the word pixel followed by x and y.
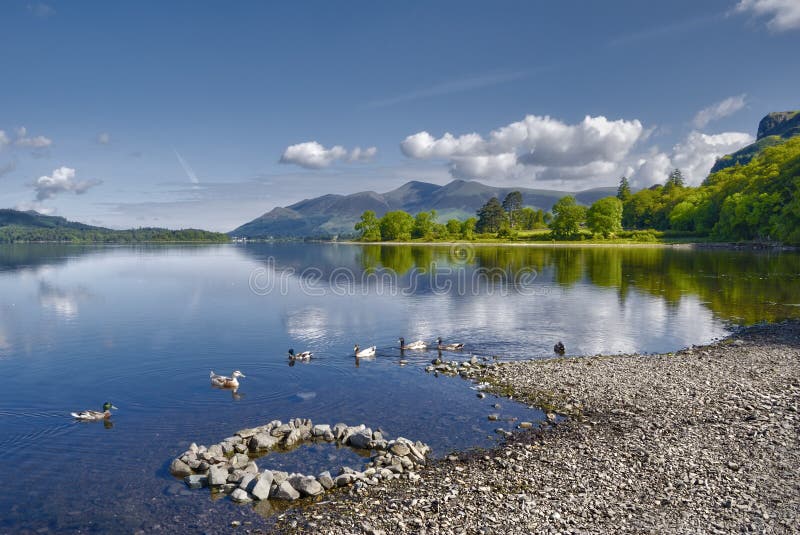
pixel 337 214
pixel 774 128
pixel 783 124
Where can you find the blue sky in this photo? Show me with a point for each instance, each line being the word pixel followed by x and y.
pixel 208 114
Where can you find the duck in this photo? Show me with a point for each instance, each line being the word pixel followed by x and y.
pixel 559 348
pixel 366 352
pixel 226 382
pixel 448 347
pixel 95 415
pixel 305 355
pixel 419 344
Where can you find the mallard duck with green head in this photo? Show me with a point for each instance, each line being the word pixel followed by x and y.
pixel 95 415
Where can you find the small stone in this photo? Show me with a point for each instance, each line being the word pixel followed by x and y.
pixel 525 425
pixel 320 430
pixel 399 449
pixel 218 475
pixel 294 437
pixel 481 395
pixel 196 481
pixel 246 480
pixel 285 491
pixel 361 440
pixel 494 417
pixel 240 460
pixel 306 485
pixel 279 477
pixel 179 468
pixel 251 468
pixel 343 480
pixel 240 496
pixel 262 441
pixel 260 486
pixel 325 480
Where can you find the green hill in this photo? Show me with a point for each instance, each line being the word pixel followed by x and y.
pixel 26 227
pixel 773 129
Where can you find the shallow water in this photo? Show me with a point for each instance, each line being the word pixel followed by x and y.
pixel 142 327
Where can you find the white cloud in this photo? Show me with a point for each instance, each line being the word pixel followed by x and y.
pixel 313 155
pixel 104 138
pixel 721 109
pixel 649 169
pixel 36 142
pixel 594 152
pixel 490 165
pixel 422 145
pixel 4 140
pixel 783 14
pixel 536 147
pixel 61 180
pixel 696 155
pixel 362 155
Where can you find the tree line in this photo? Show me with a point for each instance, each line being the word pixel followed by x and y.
pixel 22 234
pixel 757 201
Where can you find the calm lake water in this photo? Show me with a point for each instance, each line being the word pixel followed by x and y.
pixel 142 327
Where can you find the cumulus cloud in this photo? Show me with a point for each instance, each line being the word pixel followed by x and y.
pixel 422 145
pixel 595 151
pixel 783 15
pixel 61 180
pixel 696 155
pixel 313 155
pixel 721 109
pixel 537 147
pixel 33 142
pixel 104 138
pixel 4 139
pixel 651 168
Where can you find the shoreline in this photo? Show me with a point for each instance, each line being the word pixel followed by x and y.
pixel 702 440
pixel 586 244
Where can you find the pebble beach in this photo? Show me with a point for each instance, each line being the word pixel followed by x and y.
pixel 703 440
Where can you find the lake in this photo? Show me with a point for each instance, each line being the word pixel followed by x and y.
pixel 143 326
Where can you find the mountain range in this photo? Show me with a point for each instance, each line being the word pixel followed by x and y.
pixel 331 215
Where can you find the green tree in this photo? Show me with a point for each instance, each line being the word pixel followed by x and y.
pixel 645 209
pixel 396 226
pixel 567 217
pixel 530 219
pixel 424 225
pixel 369 227
pixel 674 180
pixel 491 216
pixel 624 189
pixel 512 204
pixel 454 228
pixel 468 228
pixel 605 216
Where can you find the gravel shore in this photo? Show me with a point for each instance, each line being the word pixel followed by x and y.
pixel 704 440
